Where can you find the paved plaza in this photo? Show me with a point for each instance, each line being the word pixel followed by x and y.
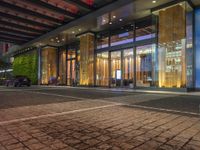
pixel 63 118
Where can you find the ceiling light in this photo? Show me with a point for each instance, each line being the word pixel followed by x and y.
pixel 79 29
pixel 120 19
pixel 154 2
pixel 104 20
pixel 58 41
pixel 110 22
pixel 63 39
pixel 52 40
pixel 56 38
pixel 114 17
pixel 73 32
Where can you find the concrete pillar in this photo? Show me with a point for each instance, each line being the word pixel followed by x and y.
pixel 87 59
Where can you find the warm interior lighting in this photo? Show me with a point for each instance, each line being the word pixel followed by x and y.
pixel 154 2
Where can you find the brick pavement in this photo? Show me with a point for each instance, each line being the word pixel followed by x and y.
pixel 107 128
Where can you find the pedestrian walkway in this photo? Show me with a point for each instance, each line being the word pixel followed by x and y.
pixel 145 90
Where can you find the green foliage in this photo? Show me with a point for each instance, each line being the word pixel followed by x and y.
pixel 26 65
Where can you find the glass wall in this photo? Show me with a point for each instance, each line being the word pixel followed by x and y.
pixel 145 66
pixel 197 45
pixel 62 67
pixel 49 67
pixel 121 36
pixel 189 47
pixel 140 30
pixel 145 29
pixel 175 44
pixel 102 40
pixel 116 70
pixel 128 67
pixel 102 72
pixel 71 67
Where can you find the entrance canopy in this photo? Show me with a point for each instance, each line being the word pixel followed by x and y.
pixel 24 20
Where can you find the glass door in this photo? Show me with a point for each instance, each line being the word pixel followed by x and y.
pixel 71 67
pixel 145 65
pixel 71 72
pixel 128 68
pixel 116 70
pixel 102 65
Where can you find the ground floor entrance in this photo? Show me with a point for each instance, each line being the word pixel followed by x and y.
pixel 126 68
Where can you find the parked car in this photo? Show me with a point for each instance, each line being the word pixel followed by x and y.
pixel 19 81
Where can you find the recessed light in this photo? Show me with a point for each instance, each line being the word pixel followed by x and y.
pixel 79 29
pixel 104 20
pixel 56 38
pixel 114 17
pixel 58 41
pixel 63 39
pixel 73 32
pixel 110 22
pixel 154 2
pixel 120 19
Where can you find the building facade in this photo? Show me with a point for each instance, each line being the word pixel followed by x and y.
pixel 158 51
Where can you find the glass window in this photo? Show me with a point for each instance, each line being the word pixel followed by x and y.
pixel 71 72
pixel 123 35
pixel 102 40
pixel 62 67
pixel 49 67
pixel 102 73
pixel 116 71
pixel 175 46
pixel 197 45
pixel 128 67
pixel 189 47
pixel 145 66
pixel 71 54
pixel 145 30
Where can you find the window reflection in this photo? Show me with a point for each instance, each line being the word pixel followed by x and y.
pixel 175 46
pixel 102 40
pixel 145 66
pixel 145 29
pixel 102 73
pixel 122 36
pixel 49 68
pixel 128 67
pixel 71 66
pixel 62 67
pixel 116 69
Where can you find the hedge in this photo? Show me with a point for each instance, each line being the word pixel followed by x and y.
pixel 26 65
